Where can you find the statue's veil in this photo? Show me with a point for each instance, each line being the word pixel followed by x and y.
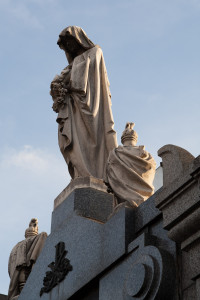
pixel 79 34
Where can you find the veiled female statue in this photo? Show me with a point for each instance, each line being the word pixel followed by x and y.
pixel 82 100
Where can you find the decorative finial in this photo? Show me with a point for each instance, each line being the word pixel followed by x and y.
pixel 129 136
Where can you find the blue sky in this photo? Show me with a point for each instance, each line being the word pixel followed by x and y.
pixel 151 49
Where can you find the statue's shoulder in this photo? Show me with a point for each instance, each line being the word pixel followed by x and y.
pixel 93 52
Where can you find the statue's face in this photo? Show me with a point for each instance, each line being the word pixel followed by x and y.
pixel 69 44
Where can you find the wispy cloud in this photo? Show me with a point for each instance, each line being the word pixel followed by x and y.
pixel 35 167
pixel 28 158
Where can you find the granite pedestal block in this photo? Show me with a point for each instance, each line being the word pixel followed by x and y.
pixel 86 202
pixel 80 183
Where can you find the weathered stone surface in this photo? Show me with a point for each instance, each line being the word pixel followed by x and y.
pixel 80 182
pixel 179 201
pixel 175 160
pixel 86 202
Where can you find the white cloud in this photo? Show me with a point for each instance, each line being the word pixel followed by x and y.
pixel 28 158
pixel 32 175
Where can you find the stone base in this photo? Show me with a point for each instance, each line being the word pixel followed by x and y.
pixel 81 182
pixel 84 202
pixel 127 256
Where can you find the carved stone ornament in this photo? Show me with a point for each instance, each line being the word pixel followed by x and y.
pixel 59 269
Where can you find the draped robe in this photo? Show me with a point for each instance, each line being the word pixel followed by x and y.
pixel 85 133
pixel 130 173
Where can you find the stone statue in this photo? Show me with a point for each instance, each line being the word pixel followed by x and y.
pixel 22 258
pixel 82 100
pixel 131 170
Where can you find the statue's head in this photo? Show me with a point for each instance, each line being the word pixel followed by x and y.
pixel 129 136
pixel 32 230
pixel 74 41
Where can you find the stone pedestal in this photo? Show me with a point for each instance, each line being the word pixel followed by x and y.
pixel 80 183
pixel 127 256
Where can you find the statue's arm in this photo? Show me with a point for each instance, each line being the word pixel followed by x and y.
pixel 79 76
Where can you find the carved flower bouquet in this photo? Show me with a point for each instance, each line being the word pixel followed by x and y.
pixel 58 92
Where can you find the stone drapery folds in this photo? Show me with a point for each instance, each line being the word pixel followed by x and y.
pixel 131 170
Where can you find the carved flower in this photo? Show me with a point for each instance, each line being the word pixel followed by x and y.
pixel 58 93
